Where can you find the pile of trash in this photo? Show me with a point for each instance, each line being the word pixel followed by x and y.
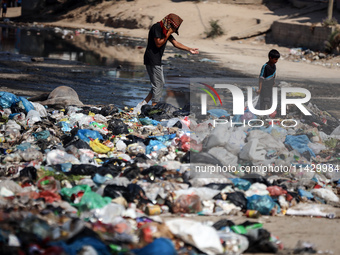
pixel 310 56
pixel 104 180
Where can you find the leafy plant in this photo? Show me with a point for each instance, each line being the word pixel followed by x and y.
pixel 329 22
pixel 215 29
pixel 333 43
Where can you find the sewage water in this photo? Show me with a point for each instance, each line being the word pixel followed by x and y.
pixel 123 81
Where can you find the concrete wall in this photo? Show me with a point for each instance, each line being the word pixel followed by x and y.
pixel 300 35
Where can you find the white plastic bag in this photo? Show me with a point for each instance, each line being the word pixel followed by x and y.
pixel 138 107
pixel 108 213
pixel 205 238
pixel 325 194
pixel 253 151
pixel 40 109
pixel 203 192
pixel 56 156
pixel 218 137
pixel 236 141
pixel 32 117
pixel 224 156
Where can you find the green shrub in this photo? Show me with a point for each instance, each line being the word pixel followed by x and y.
pixel 329 22
pixel 333 43
pixel 215 29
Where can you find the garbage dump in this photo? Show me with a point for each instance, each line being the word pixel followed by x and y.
pixel 103 180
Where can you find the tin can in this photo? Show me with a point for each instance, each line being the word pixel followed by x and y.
pixel 153 210
pixel 253 214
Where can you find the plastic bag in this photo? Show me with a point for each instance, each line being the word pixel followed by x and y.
pixel 275 191
pixel 266 140
pixel 257 189
pixel 27 104
pixel 187 204
pixel 218 113
pixel 238 199
pixel 262 204
pixel 100 127
pixel 40 109
pixel 32 117
pixel 236 141
pixel 109 213
pixel 42 135
pixel 31 154
pixel 305 193
pixel 241 183
pixel 137 109
pixel 304 209
pixel 99 147
pixel 86 134
pixel 218 137
pixel 205 238
pixel 56 156
pixel 224 156
pixel 47 183
pixel 148 121
pixel 154 145
pixel 121 146
pixel 7 99
pixel 118 127
pixel 317 147
pixel 203 192
pixel 253 151
pixel 299 143
pixel 161 245
pixel 325 194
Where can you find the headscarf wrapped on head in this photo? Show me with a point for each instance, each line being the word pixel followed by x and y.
pixel 171 20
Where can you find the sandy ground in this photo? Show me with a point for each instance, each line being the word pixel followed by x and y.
pixel 246 56
pixel 236 20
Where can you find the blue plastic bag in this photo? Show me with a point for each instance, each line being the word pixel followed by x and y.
pixel 75 247
pixel 7 99
pixel 148 121
pixel 154 145
pixel 299 143
pixel 42 135
pixel 305 193
pixel 219 113
pixel 164 138
pixel 27 104
pixel 158 246
pixel 241 183
pixel 262 204
pixel 65 126
pixel 86 134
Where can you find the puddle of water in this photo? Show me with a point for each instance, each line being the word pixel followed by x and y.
pixel 126 86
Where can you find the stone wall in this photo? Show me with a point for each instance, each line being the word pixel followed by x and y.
pixel 300 35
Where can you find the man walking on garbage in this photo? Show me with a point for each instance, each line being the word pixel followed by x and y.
pixel 159 34
pixel 267 80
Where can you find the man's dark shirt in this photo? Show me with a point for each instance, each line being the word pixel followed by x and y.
pixel 153 54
